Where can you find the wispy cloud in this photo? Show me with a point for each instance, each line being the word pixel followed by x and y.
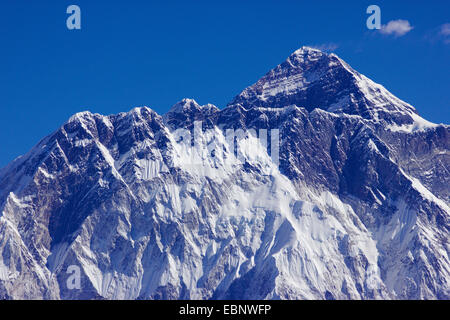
pixel 325 46
pixel 439 34
pixel 445 29
pixel 397 28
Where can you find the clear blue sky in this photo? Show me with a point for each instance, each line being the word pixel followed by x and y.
pixel 135 52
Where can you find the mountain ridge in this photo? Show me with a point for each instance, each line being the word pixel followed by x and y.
pixel 358 207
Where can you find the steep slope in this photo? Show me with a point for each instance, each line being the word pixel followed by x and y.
pixel 313 79
pixel 151 207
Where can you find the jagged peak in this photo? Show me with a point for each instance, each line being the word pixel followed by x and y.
pixel 311 78
pixel 307 53
pixel 308 58
pixel 184 104
pixel 141 111
pixel 189 105
pixel 306 49
pixel 80 116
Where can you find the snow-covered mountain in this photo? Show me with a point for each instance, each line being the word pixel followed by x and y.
pixel 354 206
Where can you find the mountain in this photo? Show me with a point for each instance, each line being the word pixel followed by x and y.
pixel 313 183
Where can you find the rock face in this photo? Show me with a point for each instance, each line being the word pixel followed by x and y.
pixel 355 206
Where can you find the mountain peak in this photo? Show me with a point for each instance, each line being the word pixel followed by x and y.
pixel 306 49
pixel 188 110
pixel 79 116
pixel 311 78
pixel 185 104
pixel 307 56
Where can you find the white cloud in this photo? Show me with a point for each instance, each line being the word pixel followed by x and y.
pixel 397 28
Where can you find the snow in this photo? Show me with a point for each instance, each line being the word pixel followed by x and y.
pixel 182 220
pixel 4 272
pixel 419 124
pixel 424 192
pixel 373 146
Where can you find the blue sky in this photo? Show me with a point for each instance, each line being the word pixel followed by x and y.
pixel 133 53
